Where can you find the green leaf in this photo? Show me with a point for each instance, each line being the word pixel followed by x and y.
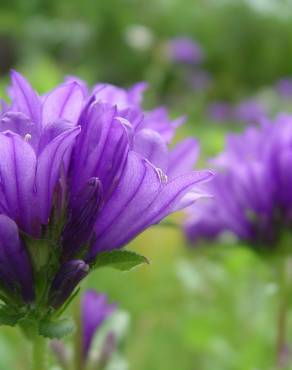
pixel 123 260
pixel 56 329
pixel 9 318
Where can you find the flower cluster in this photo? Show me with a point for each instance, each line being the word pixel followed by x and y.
pixel 82 172
pixel 252 190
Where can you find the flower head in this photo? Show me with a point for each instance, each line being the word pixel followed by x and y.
pixel 252 189
pixel 185 50
pixel 82 173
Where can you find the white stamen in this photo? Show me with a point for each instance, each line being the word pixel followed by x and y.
pixel 27 137
pixel 162 176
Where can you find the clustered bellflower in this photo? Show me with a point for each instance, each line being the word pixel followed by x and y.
pixel 82 172
pixel 251 190
pixel 94 312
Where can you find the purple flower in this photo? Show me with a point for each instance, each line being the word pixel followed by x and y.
pixel 95 309
pixel 250 111
pixel 220 111
pixel 35 135
pixel 284 87
pixel 16 276
pixel 252 190
pixel 85 172
pixel 185 50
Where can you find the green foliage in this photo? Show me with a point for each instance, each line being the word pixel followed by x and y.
pixel 56 328
pixel 123 260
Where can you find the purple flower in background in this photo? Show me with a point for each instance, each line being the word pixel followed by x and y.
pixel 95 309
pixel 185 50
pixel 220 111
pixel 83 173
pixel 252 190
pixel 284 87
pixel 250 111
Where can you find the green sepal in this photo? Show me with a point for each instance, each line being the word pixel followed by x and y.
pixel 8 317
pixel 56 328
pixel 123 260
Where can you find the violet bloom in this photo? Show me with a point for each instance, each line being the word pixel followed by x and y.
pixel 220 111
pixel 284 87
pixel 252 190
pixel 185 50
pixel 95 309
pixel 250 111
pixel 83 172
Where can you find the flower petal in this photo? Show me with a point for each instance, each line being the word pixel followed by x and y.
pixel 64 102
pixel 25 99
pixel 17 175
pixel 15 267
pixel 140 199
pixel 183 157
pixel 48 170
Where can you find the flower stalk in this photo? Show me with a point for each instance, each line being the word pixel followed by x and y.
pixel 39 353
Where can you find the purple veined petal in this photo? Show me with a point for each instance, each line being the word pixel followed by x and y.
pixel 83 211
pixel 15 267
pixel 51 131
pixel 25 99
pixel 48 169
pixel 20 124
pixel 133 115
pixel 183 157
pixel 65 102
pixel 151 146
pixel 83 85
pixel 17 176
pixel 95 309
pixel 100 150
pixel 66 280
pixel 141 198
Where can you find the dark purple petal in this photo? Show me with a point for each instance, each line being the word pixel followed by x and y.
pixel 100 150
pixel 83 211
pixel 16 274
pixel 66 280
pixel 95 309
pixel 48 170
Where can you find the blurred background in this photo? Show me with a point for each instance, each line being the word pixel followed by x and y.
pixel 194 308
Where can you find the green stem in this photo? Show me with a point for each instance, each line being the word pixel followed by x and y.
pixel 39 353
pixel 282 321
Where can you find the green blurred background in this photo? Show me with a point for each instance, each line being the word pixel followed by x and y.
pixel 199 308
